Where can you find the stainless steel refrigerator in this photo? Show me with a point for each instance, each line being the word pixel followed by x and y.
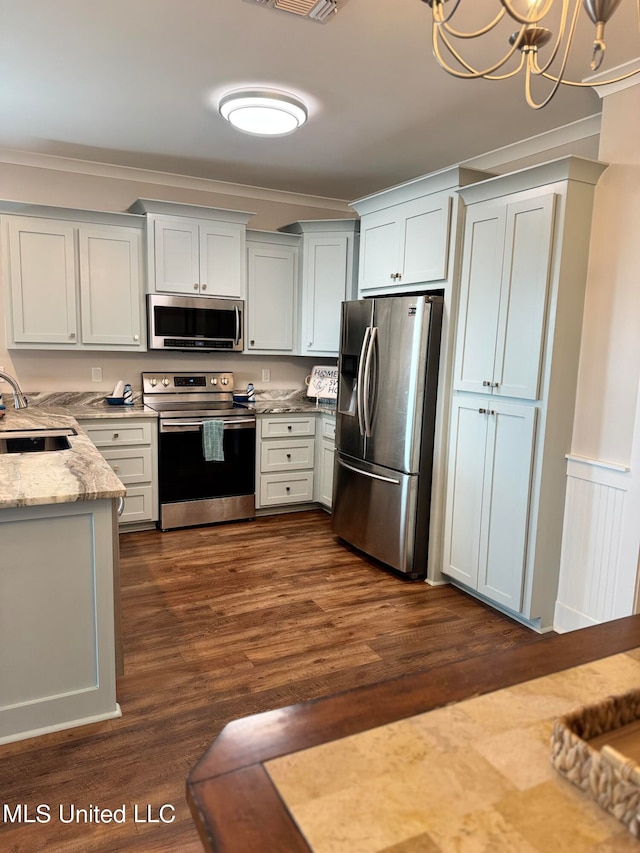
pixel 387 391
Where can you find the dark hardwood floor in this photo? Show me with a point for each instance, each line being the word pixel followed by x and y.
pixel 219 623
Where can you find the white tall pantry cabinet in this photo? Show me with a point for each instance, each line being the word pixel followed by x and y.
pixel 524 262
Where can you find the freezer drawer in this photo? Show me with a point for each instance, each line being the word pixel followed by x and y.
pixel 374 509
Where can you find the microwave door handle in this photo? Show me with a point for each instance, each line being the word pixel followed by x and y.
pixel 237 313
pixel 359 382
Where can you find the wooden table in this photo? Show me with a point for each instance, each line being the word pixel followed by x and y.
pixel 234 803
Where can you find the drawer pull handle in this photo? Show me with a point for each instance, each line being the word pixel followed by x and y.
pixel 289 427
pixel 288 488
pixel 116 435
pixel 288 456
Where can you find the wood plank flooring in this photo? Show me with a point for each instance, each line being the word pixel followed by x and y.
pixel 219 623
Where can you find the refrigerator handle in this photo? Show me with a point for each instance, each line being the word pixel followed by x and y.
pixel 367 378
pixel 369 474
pixel 359 385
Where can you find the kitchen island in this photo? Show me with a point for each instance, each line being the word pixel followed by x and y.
pixel 316 776
pixel 58 555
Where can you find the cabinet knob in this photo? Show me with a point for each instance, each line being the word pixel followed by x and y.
pixel 289 427
pixel 72 335
pixel 288 456
pixel 195 286
pixel 287 488
pixel 252 342
pixel 116 468
pixel 136 337
pixel 485 383
pixel 494 384
pixel 116 435
pixel 203 286
pixel 483 411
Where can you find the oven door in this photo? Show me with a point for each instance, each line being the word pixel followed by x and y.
pixel 185 475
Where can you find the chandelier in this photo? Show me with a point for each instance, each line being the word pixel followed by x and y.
pixel 527 39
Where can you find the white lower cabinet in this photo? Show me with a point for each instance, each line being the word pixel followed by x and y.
pixel 130 446
pixel 326 447
pixel 490 465
pixel 286 458
pixel 57 642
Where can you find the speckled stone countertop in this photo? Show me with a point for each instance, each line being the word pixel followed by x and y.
pixel 281 401
pixel 61 476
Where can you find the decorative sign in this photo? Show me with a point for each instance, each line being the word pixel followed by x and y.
pixel 323 382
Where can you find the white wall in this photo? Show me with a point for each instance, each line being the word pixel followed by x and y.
pixel 68 183
pixel 602 513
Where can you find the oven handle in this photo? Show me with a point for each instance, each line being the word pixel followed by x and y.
pixel 192 426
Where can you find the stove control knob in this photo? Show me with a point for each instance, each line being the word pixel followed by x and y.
pixel 165 382
pixel 153 382
pixel 214 381
pixel 224 380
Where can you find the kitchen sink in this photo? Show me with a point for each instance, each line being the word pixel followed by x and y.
pixel 35 440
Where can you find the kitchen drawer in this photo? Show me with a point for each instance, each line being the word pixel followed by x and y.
pixel 114 434
pixel 277 489
pixel 329 429
pixel 295 425
pixel 286 455
pixel 138 505
pixel 131 464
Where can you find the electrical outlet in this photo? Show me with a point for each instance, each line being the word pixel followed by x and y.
pixel 266 374
pixel 96 374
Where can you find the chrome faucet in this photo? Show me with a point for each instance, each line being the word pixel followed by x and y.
pixel 19 400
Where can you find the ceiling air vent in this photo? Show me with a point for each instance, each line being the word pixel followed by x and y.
pixel 317 10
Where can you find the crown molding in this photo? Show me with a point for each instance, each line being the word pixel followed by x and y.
pixel 538 144
pixel 18 157
pixel 604 89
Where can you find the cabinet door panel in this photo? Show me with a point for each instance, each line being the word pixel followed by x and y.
pixel 508 464
pixel 176 256
pixel 271 302
pixel 221 253
pixel 325 276
pixel 43 281
pixel 527 258
pixel 426 240
pixel 379 244
pixel 110 287
pixel 479 298
pixel 464 491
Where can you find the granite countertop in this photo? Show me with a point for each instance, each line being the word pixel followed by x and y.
pixel 61 476
pixel 84 405
pixel 279 401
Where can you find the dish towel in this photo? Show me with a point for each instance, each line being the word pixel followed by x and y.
pixel 212 440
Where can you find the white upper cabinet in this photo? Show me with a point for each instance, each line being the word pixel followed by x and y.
pixel 405 232
pixel 327 278
pixel 195 250
pixel 406 244
pixel 505 274
pixel 110 286
pixel 272 283
pixel 72 285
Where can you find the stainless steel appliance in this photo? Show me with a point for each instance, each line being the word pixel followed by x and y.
pixel 388 375
pixel 194 323
pixel 193 490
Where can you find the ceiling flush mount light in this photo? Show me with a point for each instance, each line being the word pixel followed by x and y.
pixel 263 112
pixel 528 38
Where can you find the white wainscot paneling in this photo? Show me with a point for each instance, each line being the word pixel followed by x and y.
pixel 597 576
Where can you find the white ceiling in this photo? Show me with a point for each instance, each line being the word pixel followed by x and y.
pixel 130 82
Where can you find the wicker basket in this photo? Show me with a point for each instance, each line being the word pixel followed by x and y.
pixel 604 773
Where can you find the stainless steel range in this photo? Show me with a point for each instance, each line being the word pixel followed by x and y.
pixel 195 486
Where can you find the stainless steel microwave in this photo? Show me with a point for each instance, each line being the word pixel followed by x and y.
pixel 194 323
